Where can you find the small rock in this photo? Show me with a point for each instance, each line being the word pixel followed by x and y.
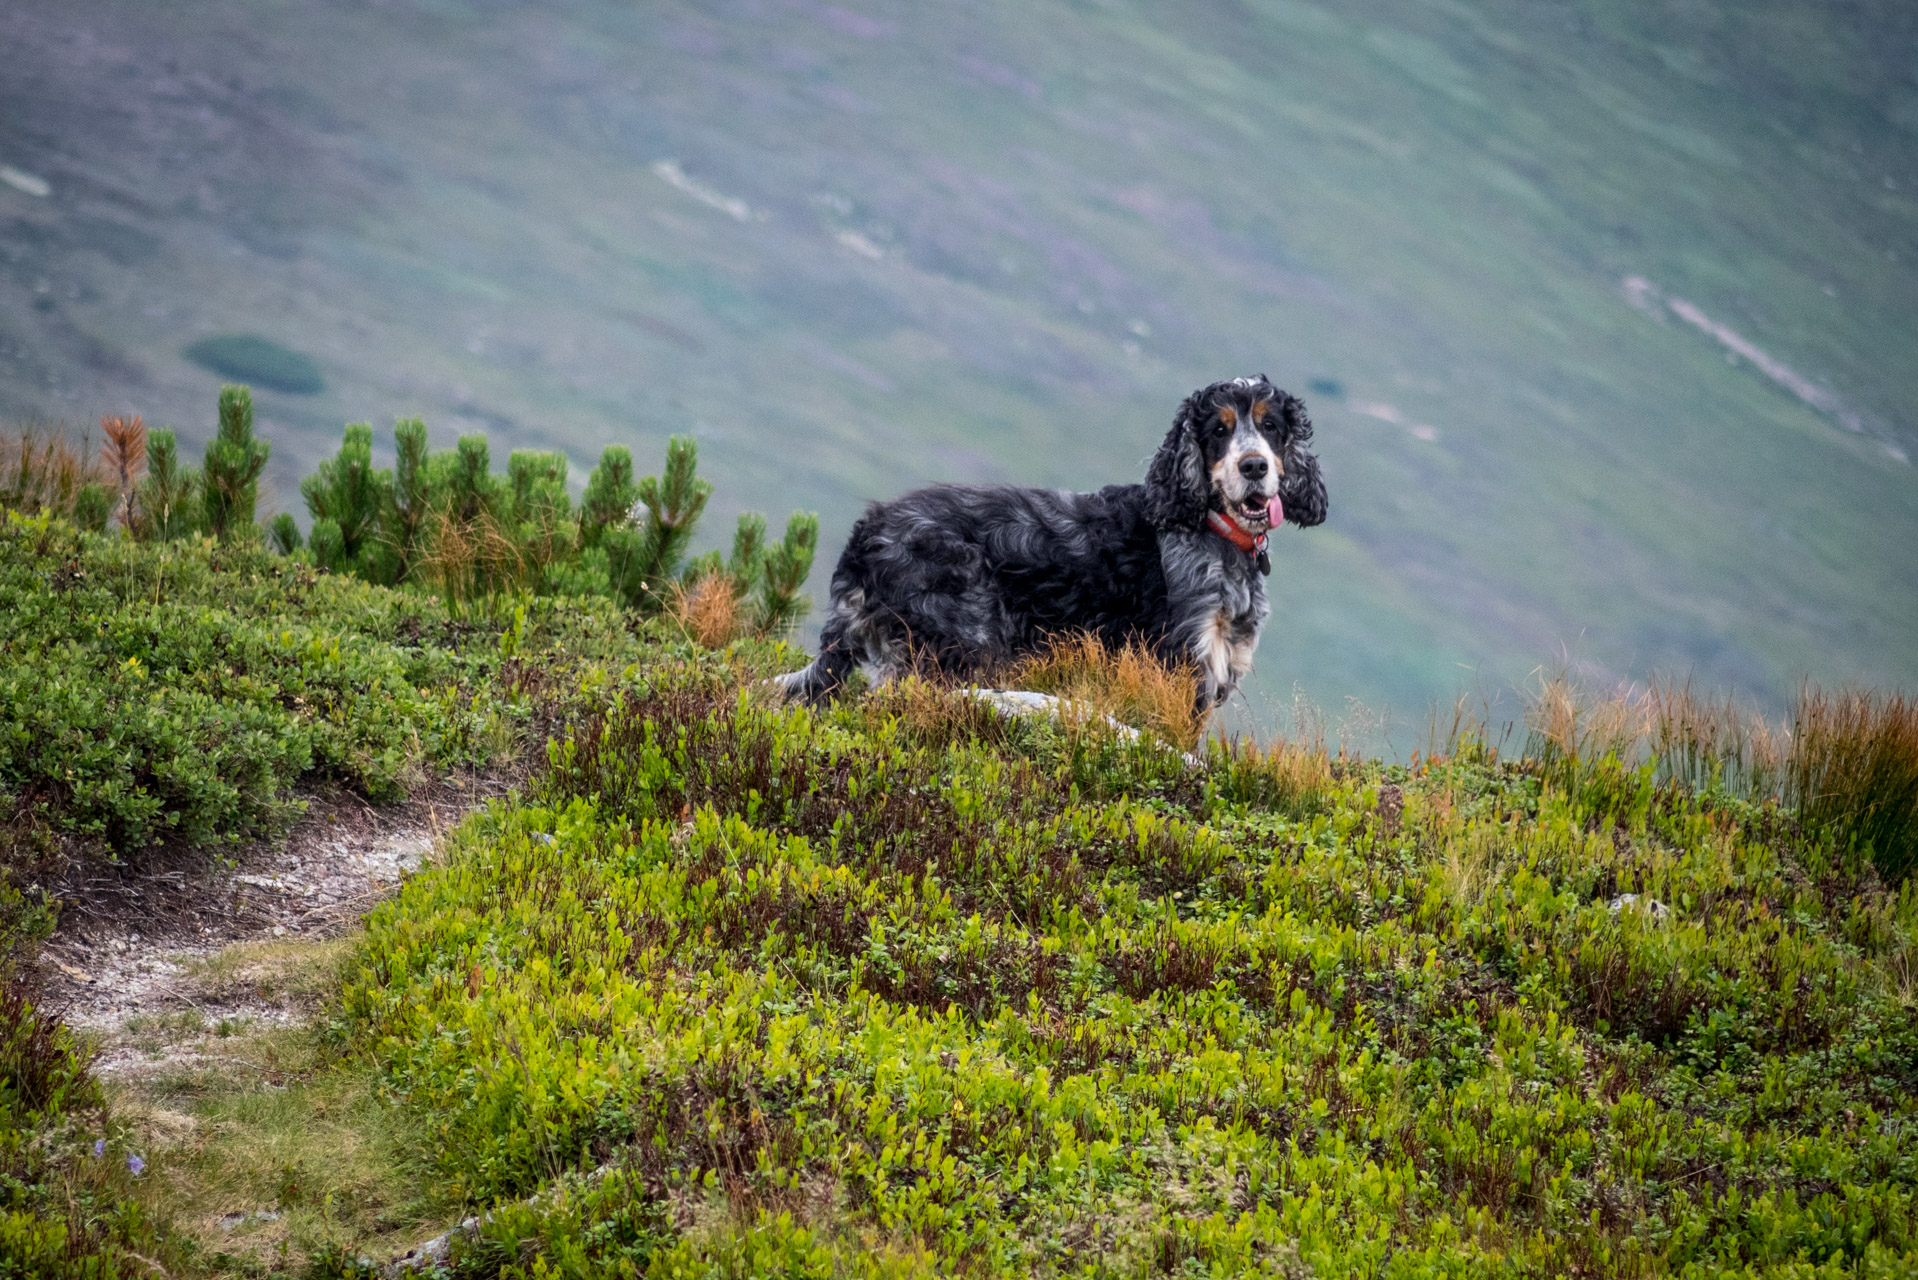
pixel 1659 911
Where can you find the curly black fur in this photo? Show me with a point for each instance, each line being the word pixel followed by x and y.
pixel 957 578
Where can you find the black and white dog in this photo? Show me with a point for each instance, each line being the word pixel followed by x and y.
pixel 956 579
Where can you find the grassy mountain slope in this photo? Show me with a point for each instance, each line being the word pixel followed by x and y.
pixel 901 986
pixel 860 248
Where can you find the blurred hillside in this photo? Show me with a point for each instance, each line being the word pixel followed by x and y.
pixel 1605 311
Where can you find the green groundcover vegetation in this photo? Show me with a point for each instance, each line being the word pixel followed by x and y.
pixel 904 988
pixel 901 986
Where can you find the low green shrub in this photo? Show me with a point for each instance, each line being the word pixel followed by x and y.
pixel 176 692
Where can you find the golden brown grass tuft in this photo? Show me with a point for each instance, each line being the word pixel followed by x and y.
pixel 1567 722
pixel 40 470
pixel 711 611
pixel 933 713
pixel 1854 768
pixel 1129 684
pixel 470 559
pixel 1287 775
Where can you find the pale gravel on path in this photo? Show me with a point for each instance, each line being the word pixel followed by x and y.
pixel 109 975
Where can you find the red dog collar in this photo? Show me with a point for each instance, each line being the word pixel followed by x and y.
pixel 1251 544
pixel 1228 529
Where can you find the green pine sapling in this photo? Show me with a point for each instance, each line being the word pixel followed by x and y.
pixel 609 497
pixel 409 499
pixel 345 498
pixel 234 460
pixel 644 560
pixel 283 534
pixel 166 504
pixel 541 515
pixel 784 571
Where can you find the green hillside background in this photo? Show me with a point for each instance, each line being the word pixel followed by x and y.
pixel 857 249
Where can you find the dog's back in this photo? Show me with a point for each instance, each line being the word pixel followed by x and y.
pixel 959 577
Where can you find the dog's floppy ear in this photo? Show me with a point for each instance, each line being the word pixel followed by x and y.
pixel 1176 493
pixel 1303 488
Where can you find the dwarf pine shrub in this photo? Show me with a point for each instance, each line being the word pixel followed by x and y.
pixel 646 557
pixel 166 505
pixel 346 498
pixel 235 457
pixel 610 495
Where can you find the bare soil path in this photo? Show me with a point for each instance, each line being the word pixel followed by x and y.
pixel 197 989
pixel 131 951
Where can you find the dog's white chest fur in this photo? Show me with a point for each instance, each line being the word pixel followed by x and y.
pixel 1224 652
pixel 1221 607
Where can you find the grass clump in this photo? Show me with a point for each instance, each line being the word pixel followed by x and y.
pixel 1854 769
pixel 42 470
pixel 1845 765
pixel 1127 682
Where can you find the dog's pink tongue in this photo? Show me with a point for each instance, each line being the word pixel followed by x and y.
pixel 1275 511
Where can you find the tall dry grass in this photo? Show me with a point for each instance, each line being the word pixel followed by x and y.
pixel 1706 741
pixel 1128 683
pixel 470 559
pixel 124 455
pixel 1854 771
pixel 1701 741
pixel 1848 762
pixel 42 470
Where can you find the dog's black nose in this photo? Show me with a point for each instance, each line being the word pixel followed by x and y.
pixel 1253 466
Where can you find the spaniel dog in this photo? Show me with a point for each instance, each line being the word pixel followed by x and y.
pixel 957 579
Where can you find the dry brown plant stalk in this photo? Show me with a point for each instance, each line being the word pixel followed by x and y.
pixel 125 455
pixel 709 611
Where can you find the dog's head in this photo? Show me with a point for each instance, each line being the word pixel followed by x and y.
pixel 1232 448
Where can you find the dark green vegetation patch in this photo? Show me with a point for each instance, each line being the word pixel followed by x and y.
pixel 262 362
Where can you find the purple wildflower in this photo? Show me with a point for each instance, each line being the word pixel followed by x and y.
pixel 99 1148
pixel 135 1165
